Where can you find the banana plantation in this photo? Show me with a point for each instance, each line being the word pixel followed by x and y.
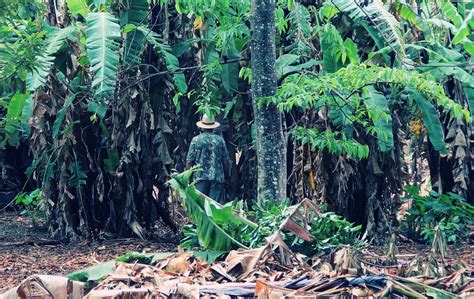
pixel 341 125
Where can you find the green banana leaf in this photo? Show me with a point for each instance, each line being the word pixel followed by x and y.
pixel 200 210
pixel 431 120
pixel 377 105
pixel 99 272
pixel 103 43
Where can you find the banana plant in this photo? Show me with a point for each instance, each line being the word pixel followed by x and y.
pixel 382 26
pixel 206 214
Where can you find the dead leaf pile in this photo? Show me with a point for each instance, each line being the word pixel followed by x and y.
pixel 274 270
pixel 260 273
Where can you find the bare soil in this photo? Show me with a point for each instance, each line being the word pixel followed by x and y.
pixel 27 250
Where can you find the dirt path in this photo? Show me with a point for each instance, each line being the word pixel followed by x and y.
pixel 25 251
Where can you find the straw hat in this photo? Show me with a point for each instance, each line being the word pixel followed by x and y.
pixel 207 122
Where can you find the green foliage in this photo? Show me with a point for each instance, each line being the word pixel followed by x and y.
pixel 336 143
pixel 328 229
pixel 378 21
pixel 55 40
pixel 354 96
pixel 289 63
pixel 209 256
pixel 450 211
pixel 15 117
pixel 331 230
pixel 357 106
pixel 379 112
pixel 206 104
pixel 60 116
pixel 93 275
pixel 269 215
pixel 208 218
pixel 222 227
pixel 300 29
pixel 432 122
pixel 136 14
pixel 171 61
pixel 103 37
pixel 21 41
pixel 31 201
pixel 332 49
pixel 78 7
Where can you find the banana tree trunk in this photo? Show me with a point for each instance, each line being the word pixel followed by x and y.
pixel 270 143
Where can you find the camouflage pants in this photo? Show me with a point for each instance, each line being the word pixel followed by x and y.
pixel 213 189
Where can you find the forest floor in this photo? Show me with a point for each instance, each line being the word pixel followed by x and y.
pixel 27 250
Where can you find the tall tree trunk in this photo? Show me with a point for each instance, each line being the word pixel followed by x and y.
pixel 271 148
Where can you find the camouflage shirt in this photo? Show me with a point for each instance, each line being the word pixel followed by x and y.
pixel 209 151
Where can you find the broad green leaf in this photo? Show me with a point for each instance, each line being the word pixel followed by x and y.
pixel 13 117
pixel 351 51
pixel 295 68
pixel 26 114
pixel 103 43
pixel 448 70
pixel 448 54
pixel 377 106
pixel 463 31
pixel 328 11
pixel 100 271
pixel 380 21
pixel 301 28
pixel 284 61
pixel 469 47
pixel 408 14
pixel 331 40
pixel 136 15
pixel 442 24
pixel 180 82
pixel 99 3
pixel 431 121
pixel 230 71
pixel 112 161
pixel 470 98
pixel 210 234
pixel 98 107
pixel 55 39
pixel 228 106
pixel 451 12
pixel 78 7
pixel 286 64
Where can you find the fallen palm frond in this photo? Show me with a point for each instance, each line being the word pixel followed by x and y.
pixel 275 270
pixel 240 276
pixel 46 286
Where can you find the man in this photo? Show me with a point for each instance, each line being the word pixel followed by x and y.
pixel 210 152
